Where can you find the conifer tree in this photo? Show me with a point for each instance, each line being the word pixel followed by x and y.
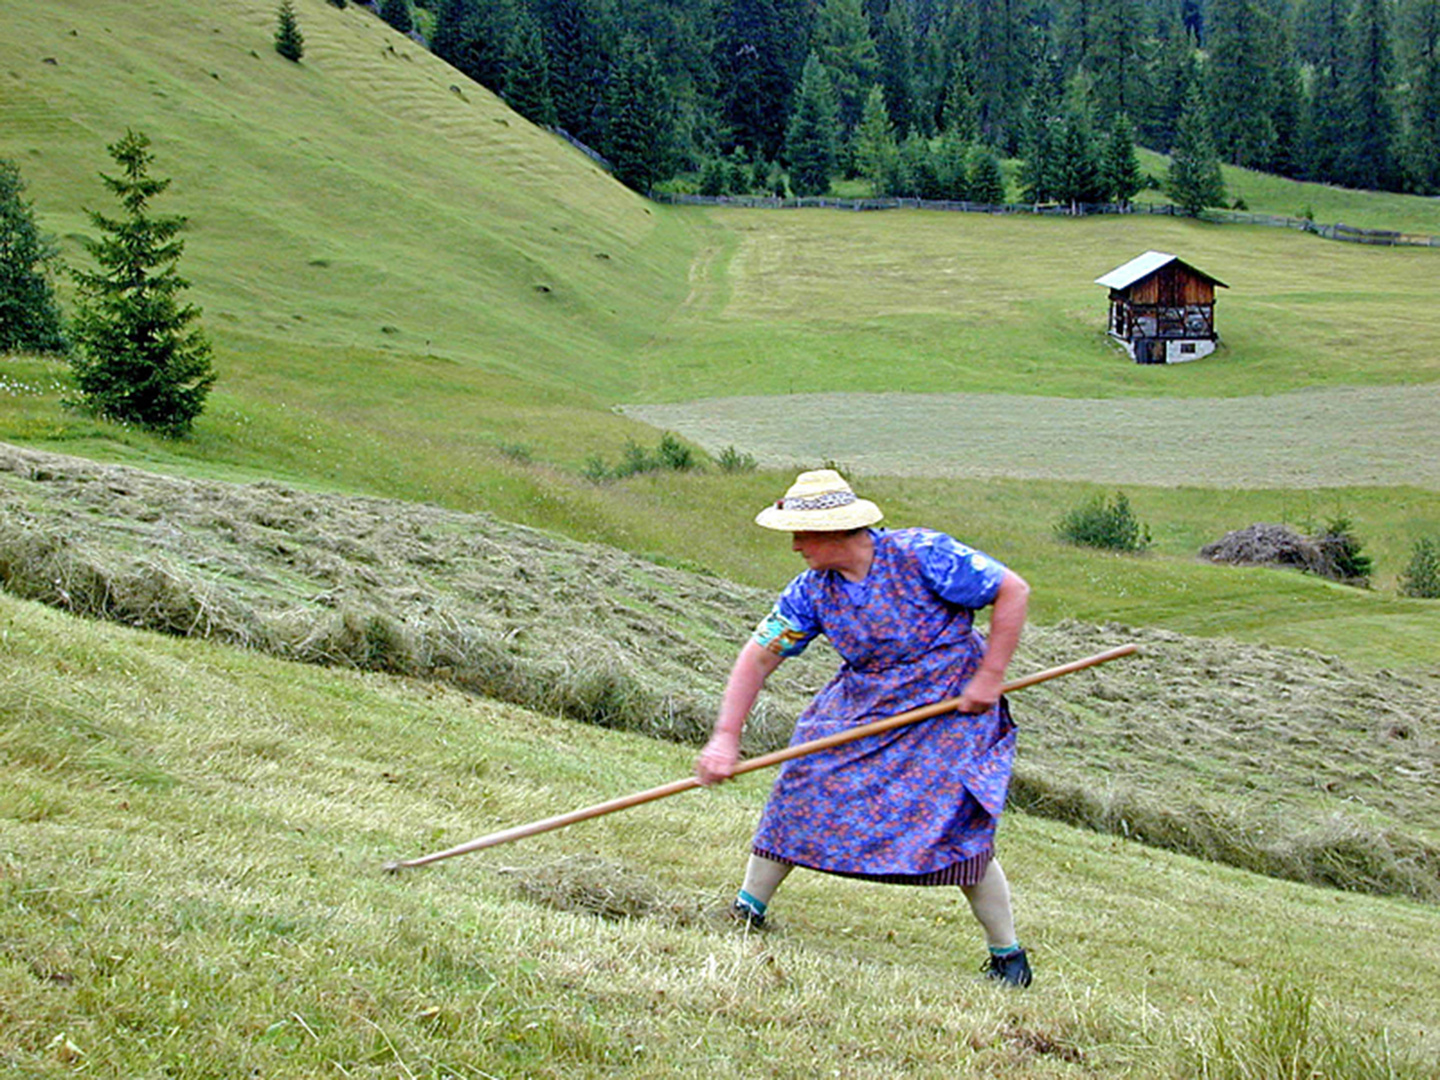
pixel 1194 180
pixel 29 316
pixel 895 44
pixel 752 75
pixel 987 178
pixel 139 358
pixel 993 37
pixel 876 151
pixel 289 42
pixel 637 131
pixel 1078 179
pixel 962 112
pixel 1120 175
pixel 1422 157
pixel 527 74
pixel 813 136
pixel 843 44
pixel 1039 175
pixel 1243 40
pixel 952 173
pixel 455 26
pixel 578 61
pixel 398 14
pixel 1366 93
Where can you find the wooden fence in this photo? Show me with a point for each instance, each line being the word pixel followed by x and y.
pixel 1346 233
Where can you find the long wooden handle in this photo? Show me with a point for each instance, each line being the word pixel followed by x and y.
pixel 764 761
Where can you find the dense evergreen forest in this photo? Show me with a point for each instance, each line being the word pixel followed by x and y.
pixel 923 97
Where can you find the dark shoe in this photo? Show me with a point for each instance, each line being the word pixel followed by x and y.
pixel 1014 970
pixel 742 914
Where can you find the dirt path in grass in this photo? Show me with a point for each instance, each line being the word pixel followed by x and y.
pixel 1342 437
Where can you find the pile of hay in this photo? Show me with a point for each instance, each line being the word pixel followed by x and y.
pixel 1265 545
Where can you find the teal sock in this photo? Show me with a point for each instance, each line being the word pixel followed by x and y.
pixel 757 907
pixel 1003 951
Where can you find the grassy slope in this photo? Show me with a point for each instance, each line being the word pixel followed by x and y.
pixel 190 844
pixel 375 296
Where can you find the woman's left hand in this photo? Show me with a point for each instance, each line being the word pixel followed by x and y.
pixel 980 693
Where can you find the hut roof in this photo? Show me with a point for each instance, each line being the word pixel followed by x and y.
pixel 1142 266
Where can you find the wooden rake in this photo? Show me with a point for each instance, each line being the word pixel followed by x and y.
pixel 764 761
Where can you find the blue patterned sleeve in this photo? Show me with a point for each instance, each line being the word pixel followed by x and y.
pixel 791 624
pixel 958 573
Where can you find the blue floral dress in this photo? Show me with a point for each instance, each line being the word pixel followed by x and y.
pixel 918 804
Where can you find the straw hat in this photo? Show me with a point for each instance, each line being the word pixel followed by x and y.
pixel 819 501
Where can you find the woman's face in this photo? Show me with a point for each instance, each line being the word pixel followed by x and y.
pixel 822 550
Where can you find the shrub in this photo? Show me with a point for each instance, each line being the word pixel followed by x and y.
pixel 674 454
pixel 734 461
pixel 670 454
pixel 1422 575
pixel 1102 523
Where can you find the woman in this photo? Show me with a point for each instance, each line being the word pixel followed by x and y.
pixel 917 805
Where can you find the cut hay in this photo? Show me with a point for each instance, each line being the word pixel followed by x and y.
pixel 1264 545
pixel 596 886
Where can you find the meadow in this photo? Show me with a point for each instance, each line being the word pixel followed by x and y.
pixel 418 301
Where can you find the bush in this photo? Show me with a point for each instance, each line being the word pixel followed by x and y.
pixel 1422 575
pixel 1102 523
pixel 734 461
pixel 670 454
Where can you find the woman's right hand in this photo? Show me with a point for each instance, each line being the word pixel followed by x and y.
pixel 717 761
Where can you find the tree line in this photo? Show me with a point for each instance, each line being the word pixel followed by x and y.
pixel 756 93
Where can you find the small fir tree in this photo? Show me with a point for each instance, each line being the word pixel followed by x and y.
pixel 1120 174
pixel 812 138
pixel 1194 180
pixel 29 317
pixel 875 148
pixel 139 358
pixel 987 178
pixel 289 42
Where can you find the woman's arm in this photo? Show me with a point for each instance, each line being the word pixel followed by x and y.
pixel 1007 619
pixel 752 667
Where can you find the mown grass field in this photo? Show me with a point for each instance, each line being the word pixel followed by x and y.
pixel 414 295
pixel 192 886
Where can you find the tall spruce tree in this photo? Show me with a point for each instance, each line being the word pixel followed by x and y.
pixel 895 45
pixel 29 316
pixel 140 357
pixel 289 42
pixel 843 44
pixel 752 75
pixel 1077 173
pixel 1422 112
pixel 993 38
pixel 637 138
pixel 398 14
pixel 812 138
pixel 1366 93
pixel 876 152
pixel 1194 181
pixel 456 23
pixel 578 62
pixel 1243 44
pixel 1120 175
pixel 1114 60
pixel 527 74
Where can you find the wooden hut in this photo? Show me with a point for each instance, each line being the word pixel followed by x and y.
pixel 1162 309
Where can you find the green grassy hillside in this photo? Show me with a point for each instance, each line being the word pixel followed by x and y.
pixel 191 839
